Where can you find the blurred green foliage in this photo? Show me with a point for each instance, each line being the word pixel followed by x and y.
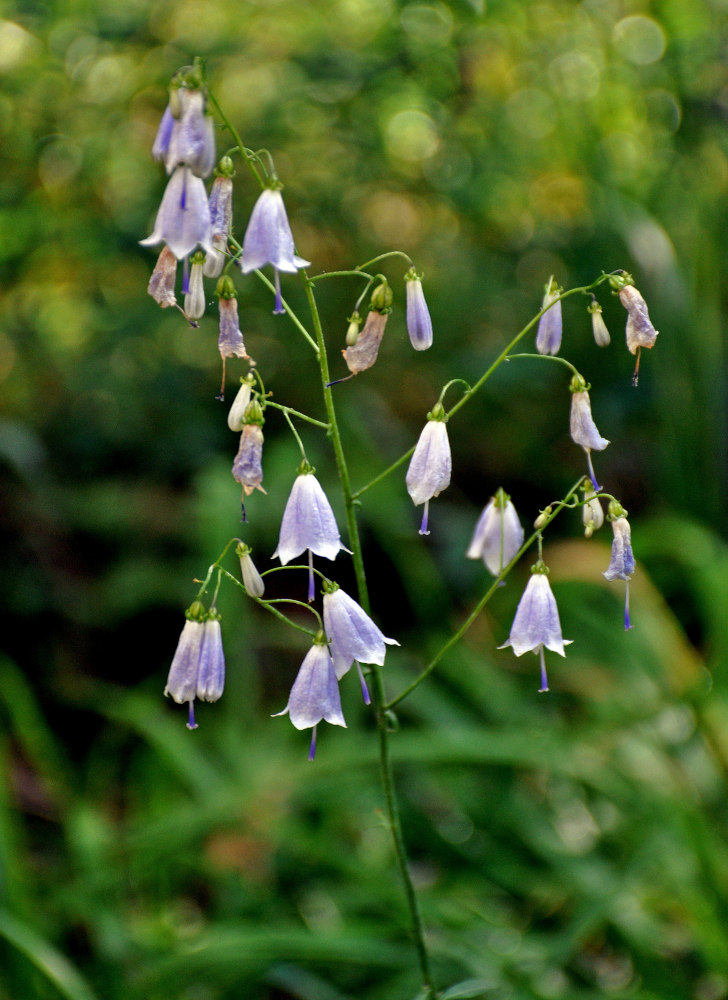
pixel 573 846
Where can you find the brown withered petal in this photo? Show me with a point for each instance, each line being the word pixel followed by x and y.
pixel 363 353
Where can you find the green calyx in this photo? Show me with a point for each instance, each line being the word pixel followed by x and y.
pixel 620 281
pixel 437 413
pixel 197 612
pixel 382 298
pixel 501 498
pixel 225 288
pixel 330 586
pixel 540 567
pixel 254 413
pixel 225 168
pixel 579 384
pixel 615 510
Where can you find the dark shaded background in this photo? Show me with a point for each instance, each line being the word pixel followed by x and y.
pixel 572 846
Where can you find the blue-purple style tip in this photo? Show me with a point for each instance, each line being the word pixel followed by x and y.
pixel 312 748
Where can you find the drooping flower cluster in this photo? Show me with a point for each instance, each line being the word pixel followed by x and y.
pixel 198 666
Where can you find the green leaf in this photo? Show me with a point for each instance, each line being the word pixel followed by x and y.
pixel 45 957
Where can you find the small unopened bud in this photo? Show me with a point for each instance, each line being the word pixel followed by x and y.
pixel 195 295
pixel 543 518
pixel 252 580
pixel 237 410
pixel 599 327
pixel 382 298
pixel 592 514
pixel 352 331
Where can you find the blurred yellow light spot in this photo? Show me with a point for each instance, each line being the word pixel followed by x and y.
pixel 559 197
pixel 394 218
pixel 639 39
pixel 16 44
pixel 411 135
pixel 574 76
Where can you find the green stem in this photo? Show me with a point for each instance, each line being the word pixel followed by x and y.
pixel 289 312
pixel 288 410
pixel 377 691
pixel 484 599
pixel 268 605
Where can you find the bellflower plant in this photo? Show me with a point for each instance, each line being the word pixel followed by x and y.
pixel 621 565
pixel 536 624
pixel 419 324
pixel 431 464
pixel 269 240
pixel 344 632
pixel 315 693
pixel 548 335
pixel 198 666
pixel 498 534
pixel 582 427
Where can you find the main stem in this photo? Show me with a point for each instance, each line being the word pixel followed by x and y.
pixel 379 698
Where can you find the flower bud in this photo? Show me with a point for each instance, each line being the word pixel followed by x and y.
pixel 382 298
pixel 352 331
pixel 548 336
pixel 240 403
pixel 599 327
pixel 252 580
pixel 195 295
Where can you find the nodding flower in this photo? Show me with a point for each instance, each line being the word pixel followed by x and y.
pixel 498 534
pixel 315 693
pixel 431 464
pixel 536 624
pixel 269 240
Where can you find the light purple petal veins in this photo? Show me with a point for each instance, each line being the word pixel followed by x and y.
pixel 182 680
pixel 164 134
pixel 581 424
pixel 497 537
pixel 621 565
pixel 419 323
pixel 431 464
pixel 211 671
pixel 536 622
pixel 183 219
pixel 308 522
pixel 315 692
pixel 268 238
pixel 191 141
pixel 548 336
pixel 352 633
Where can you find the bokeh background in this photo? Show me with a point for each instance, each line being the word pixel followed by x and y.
pixel 573 845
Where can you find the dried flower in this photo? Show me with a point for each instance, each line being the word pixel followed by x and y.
pixel 230 341
pixel 581 424
pixel 162 281
pixel 269 240
pixel 252 580
pixel 308 523
pixel 548 336
pixel 640 332
pixel 621 565
pixel 183 219
pixel 419 324
pixel 247 466
pixel 498 534
pixel 315 693
pixel 198 666
pixel 352 634
pixel 536 624
pixel 363 352
pixel 431 464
